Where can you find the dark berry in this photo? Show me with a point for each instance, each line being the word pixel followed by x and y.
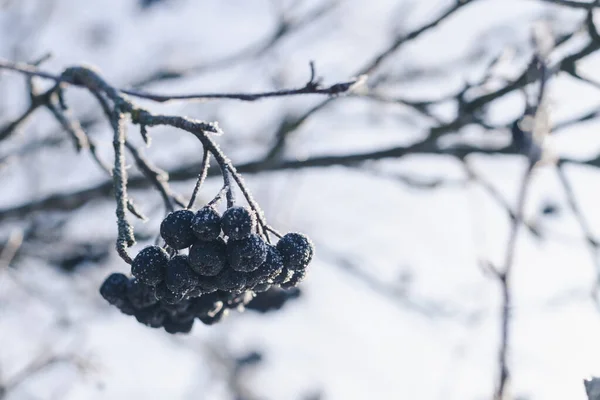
pixel 267 270
pixel 194 292
pixel 177 326
pixel 213 319
pixel 149 265
pixel 179 276
pixel 151 316
pixel 205 305
pixel 261 287
pixel 272 299
pixel 298 277
pixel 206 224
pixel 141 295
pixel 208 258
pixel 296 250
pixel 176 229
pixel 233 300
pixel 183 317
pixel 230 280
pixel 127 308
pixel 167 296
pixel 114 289
pixel 173 310
pixel 284 276
pixel 247 254
pixel 238 222
pixel 207 284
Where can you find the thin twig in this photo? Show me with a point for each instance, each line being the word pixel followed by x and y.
pixel 504 276
pixel 218 196
pixel 125 230
pixel 72 127
pixel 201 178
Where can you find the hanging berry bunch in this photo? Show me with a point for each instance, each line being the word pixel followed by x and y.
pixel 210 262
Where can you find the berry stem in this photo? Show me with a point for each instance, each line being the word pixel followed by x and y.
pixel 227 186
pixel 269 228
pixel 218 197
pixel 201 177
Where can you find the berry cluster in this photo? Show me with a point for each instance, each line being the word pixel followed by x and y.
pixel 228 261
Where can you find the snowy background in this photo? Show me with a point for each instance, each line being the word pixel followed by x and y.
pixel 397 305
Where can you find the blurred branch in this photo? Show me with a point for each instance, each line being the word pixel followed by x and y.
pixel 37 366
pixel 371 65
pixel 497 196
pixel 75 199
pixel 286 26
pixel 290 125
pixel 503 277
pixel 573 4
pixel 9 250
pixel 399 294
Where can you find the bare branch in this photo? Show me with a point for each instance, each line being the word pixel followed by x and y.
pixel 125 230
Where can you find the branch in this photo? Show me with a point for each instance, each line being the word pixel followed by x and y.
pixel 311 87
pixel 125 230
pixel 373 64
pixel 504 278
pixel 573 4
pixel 72 200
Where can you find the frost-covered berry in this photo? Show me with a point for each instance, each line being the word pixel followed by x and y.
pixel 178 326
pixel 206 223
pixel 267 270
pixel 149 265
pixel 213 319
pixel 114 289
pixel 284 276
pixel 141 295
pixel 296 250
pixel 207 284
pixel 230 280
pixel 295 279
pixel 247 254
pixel 179 276
pixel 151 316
pixel 176 229
pixel 208 258
pixel 167 296
pixel 238 222
pixel 194 292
